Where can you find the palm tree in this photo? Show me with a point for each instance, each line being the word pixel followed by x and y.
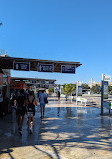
pixel 68 89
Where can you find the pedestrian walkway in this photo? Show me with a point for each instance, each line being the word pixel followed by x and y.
pixel 66 132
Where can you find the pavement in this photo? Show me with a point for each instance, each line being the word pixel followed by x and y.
pixel 67 132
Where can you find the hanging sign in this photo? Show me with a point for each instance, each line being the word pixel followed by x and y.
pixel 68 69
pixel 21 66
pixel 45 67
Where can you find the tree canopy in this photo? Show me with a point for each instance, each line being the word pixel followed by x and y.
pixel 69 88
pixel 96 89
pixel 85 86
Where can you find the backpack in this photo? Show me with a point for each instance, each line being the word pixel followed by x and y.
pixel 31 106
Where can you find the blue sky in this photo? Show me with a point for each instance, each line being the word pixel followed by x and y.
pixel 65 30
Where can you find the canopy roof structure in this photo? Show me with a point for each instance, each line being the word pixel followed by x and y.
pixel 7 62
pixel 25 79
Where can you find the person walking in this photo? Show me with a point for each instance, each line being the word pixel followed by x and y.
pixel 31 110
pixel 21 110
pixel 43 101
pixel 58 94
pixel 14 107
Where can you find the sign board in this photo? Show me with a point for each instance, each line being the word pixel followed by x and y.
pixel 106 77
pixel 104 90
pixel 105 85
pixel 68 69
pixel 51 82
pixel 79 83
pixel 45 67
pixel 21 66
pixel 79 90
pixel 17 85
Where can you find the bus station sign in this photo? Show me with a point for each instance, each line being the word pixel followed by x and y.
pixel 79 88
pixel 45 67
pixel 68 69
pixel 21 66
pixel 104 90
pixel 106 77
pixel 105 85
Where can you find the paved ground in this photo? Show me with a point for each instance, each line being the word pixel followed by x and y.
pixel 76 133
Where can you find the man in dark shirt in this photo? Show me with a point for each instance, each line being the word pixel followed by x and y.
pixel 21 109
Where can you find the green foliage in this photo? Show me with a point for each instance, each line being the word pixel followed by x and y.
pixel 51 90
pixel 69 88
pixel 110 89
pixel 96 89
pixel 85 86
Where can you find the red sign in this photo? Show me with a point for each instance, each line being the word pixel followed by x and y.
pixel 17 85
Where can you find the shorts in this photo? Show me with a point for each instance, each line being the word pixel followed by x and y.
pixel 42 105
pixel 21 112
pixel 31 112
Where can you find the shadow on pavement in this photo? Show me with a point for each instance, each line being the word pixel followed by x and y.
pixel 62 128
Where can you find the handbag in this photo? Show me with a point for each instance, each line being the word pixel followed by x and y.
pixel 45 100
